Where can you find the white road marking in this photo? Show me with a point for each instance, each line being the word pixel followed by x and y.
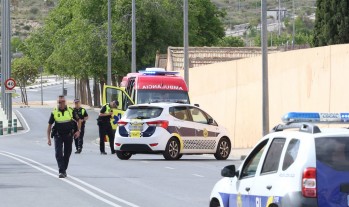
pixel 145 162
pixel 18 157
pixel 197 175
pixel 170 168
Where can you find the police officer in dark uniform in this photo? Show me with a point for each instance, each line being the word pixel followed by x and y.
pixel 64 130
pixel 105 127
pixel 81 114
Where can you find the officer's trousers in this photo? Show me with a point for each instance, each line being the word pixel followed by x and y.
pixel 63 148
pixel 79 142
pixel 106 129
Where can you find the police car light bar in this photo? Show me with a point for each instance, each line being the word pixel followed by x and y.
pixel 294 117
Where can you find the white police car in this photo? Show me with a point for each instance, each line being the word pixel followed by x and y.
pixel 171 129
pixel 304 168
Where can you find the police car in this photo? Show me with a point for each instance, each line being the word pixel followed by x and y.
pixel 171 129
pixel 306 167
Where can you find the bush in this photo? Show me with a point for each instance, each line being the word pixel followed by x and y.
pixel 34 10
pixel 231 42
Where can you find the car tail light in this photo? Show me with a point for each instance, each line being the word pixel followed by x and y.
pixel 122 123
pixel 309 183
pixel 118 144
pixel 153 144
pixel 163 124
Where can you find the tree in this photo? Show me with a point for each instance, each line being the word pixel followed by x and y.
pixel 331 23
pixel 73 40
pixel 25 72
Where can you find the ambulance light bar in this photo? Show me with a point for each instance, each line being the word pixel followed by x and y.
pixel 157 71
pixel 296 117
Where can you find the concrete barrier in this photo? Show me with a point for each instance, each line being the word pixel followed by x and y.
pixel 314 79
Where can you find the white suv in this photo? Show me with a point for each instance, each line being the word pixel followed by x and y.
pixel 171 129
pixel 304 168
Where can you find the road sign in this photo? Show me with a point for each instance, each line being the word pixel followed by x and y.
pixel 10 91
pixel 10 84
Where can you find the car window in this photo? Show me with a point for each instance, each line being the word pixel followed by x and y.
pixel 333 152
pixel 291 153
pixel 141 112
pixel 180 112
pixel 198 116
pixel 250 166
pixel 272 159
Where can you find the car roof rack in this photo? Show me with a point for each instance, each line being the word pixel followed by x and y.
pixel 303 127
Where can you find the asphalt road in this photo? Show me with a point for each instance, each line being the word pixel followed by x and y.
pixel 50 93
pixel 29 177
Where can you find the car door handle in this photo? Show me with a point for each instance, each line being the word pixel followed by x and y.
pixel 269 187
pixel 247 189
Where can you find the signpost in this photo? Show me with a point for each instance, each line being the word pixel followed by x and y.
pixel 10 84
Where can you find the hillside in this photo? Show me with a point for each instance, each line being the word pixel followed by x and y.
pixel 247 11
pixel 29 14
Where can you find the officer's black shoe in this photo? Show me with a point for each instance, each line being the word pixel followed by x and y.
pixel 113 152
pixel 103 153
pixel 61 175
pixel 65 174
pixel 78 151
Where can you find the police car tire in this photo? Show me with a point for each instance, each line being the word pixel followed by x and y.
pixel 223 149
pixel 172 151
pixel 123 155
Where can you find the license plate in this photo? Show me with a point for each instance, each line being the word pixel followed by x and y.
pixel 135 134
pixel 136 127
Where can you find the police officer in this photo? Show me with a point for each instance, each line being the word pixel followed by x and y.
pixel 81 114
pixel 105 127
pixel 64 130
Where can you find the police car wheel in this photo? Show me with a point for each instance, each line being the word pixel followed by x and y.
pixel 123 155
pixel 223 149
pixel 172 150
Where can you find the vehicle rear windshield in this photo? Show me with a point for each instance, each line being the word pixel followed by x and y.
pixel 141 112
pixel 334 152
pixel 155 96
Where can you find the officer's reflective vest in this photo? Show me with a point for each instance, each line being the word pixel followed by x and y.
pixel 63 118
pixel 107 109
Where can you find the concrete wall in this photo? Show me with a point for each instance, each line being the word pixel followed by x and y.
pixel 313 79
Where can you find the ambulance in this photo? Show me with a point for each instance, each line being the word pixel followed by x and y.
pixel 152 85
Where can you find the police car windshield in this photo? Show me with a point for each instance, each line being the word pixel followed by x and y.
pixel 333 152
pixel 157 96
pixel 143 112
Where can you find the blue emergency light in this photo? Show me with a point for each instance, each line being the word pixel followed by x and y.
pixel 314 117
pixel 157 71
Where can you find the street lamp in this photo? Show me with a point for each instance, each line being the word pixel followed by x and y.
pixel 186 42
pixel 133 64
pixel 265 87
pixel 109 44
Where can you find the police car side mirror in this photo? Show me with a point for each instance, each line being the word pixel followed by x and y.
pixel 210 121
pixel 197 105
pixel 229 171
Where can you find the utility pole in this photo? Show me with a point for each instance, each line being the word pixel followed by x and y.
pixel 186 42
pixel 265 87
pixel 133 64
pixel 109 44
pixel 6 98
pixel 42 92
pixel 279 14
pixel 293 24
